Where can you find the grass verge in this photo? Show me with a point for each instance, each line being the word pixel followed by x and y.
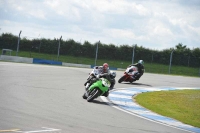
pixel 182 105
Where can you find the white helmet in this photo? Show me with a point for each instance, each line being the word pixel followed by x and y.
pixel 141 62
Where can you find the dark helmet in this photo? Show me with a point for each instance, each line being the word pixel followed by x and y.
pixel 105 67
pixel 112 75
pixel 141 62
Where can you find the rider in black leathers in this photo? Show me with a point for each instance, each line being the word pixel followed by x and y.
pixel 140 66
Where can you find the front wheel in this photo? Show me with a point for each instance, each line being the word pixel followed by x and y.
pixel 121 79
pixel 93 94
pixel 84 96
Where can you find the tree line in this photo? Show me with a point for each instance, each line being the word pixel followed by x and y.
pixel 181 54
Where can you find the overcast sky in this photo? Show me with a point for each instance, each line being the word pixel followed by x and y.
pixel 153 24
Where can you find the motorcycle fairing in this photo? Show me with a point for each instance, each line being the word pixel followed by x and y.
pixel 102 84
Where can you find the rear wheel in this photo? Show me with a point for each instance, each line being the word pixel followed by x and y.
pixel 132 80
pixel 121 79
pixel 93 94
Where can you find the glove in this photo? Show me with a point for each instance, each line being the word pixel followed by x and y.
pixel 98 76
pixel 137 74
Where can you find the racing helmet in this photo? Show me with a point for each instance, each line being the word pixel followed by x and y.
pixel 112 75
pixel 105 67
pixel 141 62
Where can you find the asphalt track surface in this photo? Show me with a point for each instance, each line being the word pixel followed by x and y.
pixel 42 98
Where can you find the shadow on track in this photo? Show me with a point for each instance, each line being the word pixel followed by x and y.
pixel 99 102
pixel 136 84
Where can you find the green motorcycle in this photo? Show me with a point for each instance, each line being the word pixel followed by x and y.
pixel 98 88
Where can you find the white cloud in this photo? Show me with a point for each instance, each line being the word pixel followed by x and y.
pixel 161 30
pixel 116 33
pixel 119 7
pixel 152 24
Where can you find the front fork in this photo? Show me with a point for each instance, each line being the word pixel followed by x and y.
pixel 87 86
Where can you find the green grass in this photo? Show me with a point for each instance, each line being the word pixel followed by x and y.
pixel 149 67
pixel 182 105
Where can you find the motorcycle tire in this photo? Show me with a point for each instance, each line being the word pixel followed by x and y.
pixel 93 94
pixel 121 79
pixel 84 96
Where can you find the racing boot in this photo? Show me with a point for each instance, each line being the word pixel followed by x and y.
pixel 106 94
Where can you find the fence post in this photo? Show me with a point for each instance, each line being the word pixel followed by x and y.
pixel 96 53
pixel 170 63
pixel 133 54
pixel 59 48
pixel 18 43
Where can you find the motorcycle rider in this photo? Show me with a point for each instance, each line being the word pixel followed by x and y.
pixel 101 70
pixel 140 66
pixel 109 76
